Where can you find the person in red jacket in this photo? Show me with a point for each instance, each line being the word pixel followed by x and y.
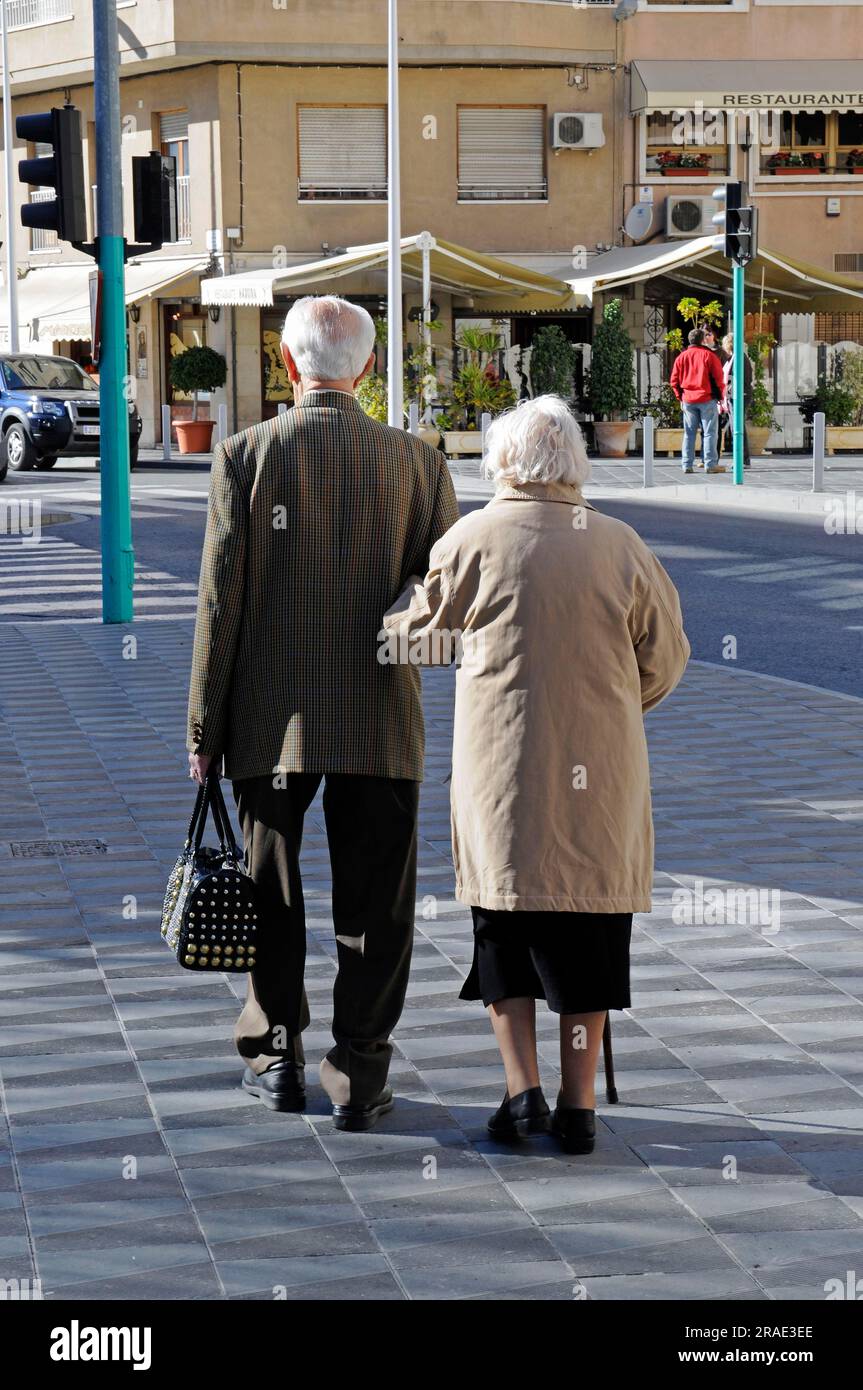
pixel 698 383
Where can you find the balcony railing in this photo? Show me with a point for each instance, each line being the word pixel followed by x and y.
pixel 184 209
pixel 40 238
pixel 23 14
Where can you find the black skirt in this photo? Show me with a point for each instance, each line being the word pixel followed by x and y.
pixel 577 961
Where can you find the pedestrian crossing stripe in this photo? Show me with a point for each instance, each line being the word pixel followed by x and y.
pixel 56 579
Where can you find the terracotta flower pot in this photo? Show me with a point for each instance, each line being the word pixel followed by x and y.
pixel 194 436
pixel 758 436
pixel 612 437
pixel 673 172
pixel 792 170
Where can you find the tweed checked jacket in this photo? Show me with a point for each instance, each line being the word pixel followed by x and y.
pixel 315 521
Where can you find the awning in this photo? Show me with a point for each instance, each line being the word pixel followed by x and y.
pixel 498 284
pixel 54 301
pixel 821 84
pixel 796 286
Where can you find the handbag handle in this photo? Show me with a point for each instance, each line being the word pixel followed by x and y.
pixel 209 798
pixel 222 821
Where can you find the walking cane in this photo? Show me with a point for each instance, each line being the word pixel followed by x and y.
pixel 608 1059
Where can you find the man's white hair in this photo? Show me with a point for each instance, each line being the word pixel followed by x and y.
pixel 538 441
pixel 329 338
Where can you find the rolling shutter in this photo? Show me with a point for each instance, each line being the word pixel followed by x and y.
pixel 343 151
pixel 501 153
pixel 173 125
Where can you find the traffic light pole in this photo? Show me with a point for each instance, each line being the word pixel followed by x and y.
pixel 118 560
pixel 11 268
pixel 737 371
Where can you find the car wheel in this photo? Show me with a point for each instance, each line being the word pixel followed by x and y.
pixel 44 464
pixel 20 454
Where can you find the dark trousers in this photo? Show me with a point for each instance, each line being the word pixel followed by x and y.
pixel 726 439
pixel 372 835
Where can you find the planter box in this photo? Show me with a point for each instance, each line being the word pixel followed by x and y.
pixel 462 441
pixel 668 441
pixel 792 170
pixel 844 437
pixel 684 173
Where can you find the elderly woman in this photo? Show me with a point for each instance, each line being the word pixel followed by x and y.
pixel 569 630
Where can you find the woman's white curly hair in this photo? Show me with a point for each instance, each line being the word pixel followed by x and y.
pixel 538 441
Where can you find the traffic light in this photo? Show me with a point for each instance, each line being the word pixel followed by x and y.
pixel 62 170
pixel 154 192
pixel 739 223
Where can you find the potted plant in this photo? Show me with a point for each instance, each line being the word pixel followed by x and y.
pixel 668 415
pixel 477 389
pixel 796 162
pixel 196 369
pixel 854 162
pixel 760 419
pixel 840 397
pixel 553 360
pixel 612 388
pixel 676 164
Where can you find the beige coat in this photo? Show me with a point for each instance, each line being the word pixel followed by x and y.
pixel 571 629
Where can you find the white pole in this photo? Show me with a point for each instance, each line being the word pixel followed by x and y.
pixel 818 435
pixel 11 271
pixel 166 431
pixel 426 242
pixel 222 426
pixel 414 417
pixel 395 410
pixel 647 436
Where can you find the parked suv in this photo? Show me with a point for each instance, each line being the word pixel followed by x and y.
pixel 49 407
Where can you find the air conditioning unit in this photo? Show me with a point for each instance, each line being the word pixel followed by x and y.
pixel 577 130
pixel 689 216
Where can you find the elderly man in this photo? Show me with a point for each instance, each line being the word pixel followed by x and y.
pixel 316 519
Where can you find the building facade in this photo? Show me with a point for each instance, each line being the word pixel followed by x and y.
pixel 529 129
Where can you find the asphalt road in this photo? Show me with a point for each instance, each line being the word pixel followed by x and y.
pixel 788 593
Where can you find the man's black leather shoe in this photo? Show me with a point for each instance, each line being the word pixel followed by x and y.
pixel 360 1117
pixel 526 1113
pixel 575 1129
pixel 280 1087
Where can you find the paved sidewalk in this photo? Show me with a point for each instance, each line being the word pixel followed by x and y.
pixel 132 1166
pixel 777 483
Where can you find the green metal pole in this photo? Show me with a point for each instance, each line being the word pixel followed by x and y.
pixel 118 559
pixel 738 378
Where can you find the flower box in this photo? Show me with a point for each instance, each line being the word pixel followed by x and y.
pixel 462 441
pixel 784 170
pixel 844 437
pixel 684 173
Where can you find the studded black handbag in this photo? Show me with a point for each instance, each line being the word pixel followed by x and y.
pixel 211 917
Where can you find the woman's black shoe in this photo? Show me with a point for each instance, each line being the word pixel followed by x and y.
pixel 575 1129
pixel 527 1113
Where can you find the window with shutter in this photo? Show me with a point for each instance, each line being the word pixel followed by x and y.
pixel 342 152
pixel 501 154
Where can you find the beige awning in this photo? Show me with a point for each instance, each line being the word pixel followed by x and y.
pixel 820 84
pixel 54 300
pixel 795 286
pixel 496 284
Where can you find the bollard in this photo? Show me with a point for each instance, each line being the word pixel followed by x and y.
pixel 282 408
pixel 818 437
pixel 485 423
pixel 166 432
pixel 222 426
pixel 414 417
pixel 647 426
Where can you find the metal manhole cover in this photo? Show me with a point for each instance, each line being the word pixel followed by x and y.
pixel 55 849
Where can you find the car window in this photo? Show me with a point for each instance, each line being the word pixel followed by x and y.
pixel 45 374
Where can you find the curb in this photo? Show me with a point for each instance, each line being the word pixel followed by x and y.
pixel 705 494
